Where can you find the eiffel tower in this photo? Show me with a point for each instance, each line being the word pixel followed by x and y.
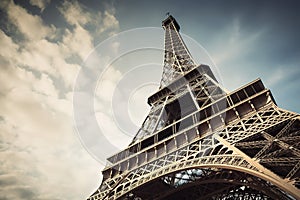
pixel 201 142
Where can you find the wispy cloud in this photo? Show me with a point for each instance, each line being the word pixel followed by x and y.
pixel 41 4
pixel 232 43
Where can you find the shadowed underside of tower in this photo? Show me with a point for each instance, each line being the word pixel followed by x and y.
pixel 201 142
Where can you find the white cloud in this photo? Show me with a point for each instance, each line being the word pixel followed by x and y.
pixel 78 41
pixel 31 26
pixel 40 54
pixel 109 22
pixel 74 13
pixel 10 47
pixel 39 143
pixel 42 156
pixel 77 15
pixel 45 86
pixel 41 4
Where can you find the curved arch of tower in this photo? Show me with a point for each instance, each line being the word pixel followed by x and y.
pixel 201 142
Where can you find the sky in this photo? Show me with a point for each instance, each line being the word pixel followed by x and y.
pixel 74 74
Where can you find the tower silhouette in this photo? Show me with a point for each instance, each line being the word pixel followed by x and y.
pixel 201 142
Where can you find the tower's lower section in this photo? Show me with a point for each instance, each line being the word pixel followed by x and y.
pixel 208 183
pixel 253 157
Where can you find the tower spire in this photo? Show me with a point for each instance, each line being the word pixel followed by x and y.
pixel 177 58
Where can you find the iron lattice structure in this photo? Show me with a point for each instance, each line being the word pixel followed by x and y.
pixel 201 142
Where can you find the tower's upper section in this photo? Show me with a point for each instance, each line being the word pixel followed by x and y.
pixel 177 59
pixel 178 96
pixel 170 21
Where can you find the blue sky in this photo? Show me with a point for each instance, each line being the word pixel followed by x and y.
pixel 45 45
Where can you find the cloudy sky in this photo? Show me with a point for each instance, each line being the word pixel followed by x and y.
pixel 47 44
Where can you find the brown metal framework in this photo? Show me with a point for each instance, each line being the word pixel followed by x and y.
pixel 201 142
